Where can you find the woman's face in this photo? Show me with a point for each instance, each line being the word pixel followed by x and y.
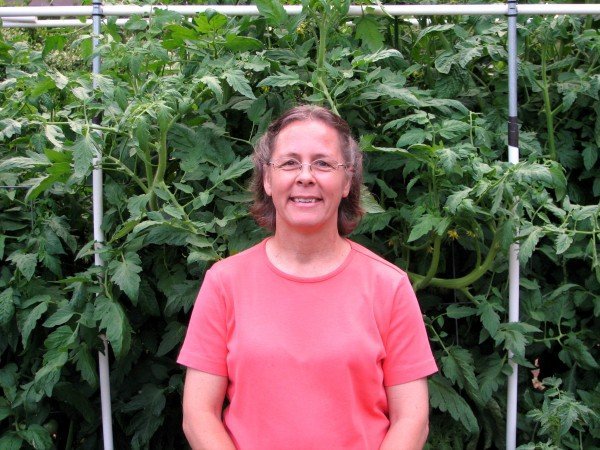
pixel 307 200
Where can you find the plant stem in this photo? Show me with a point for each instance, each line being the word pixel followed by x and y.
pixel 467 280
pixel 69 442
pixel 433 266
pixel 548 109
pixel 129 172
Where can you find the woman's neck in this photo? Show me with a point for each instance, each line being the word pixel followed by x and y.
pixel 307 255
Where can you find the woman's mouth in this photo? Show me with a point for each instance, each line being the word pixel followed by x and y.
pixel 304 199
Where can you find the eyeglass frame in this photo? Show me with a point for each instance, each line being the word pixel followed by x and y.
pixel 310 165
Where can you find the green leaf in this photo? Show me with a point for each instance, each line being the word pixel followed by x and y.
pixel 281 80
pixel 53 42
pixel 60 317
pixel 237 80
pixel 136 23
pixel 37 436
pixel 73 395
pixel 527 247
pixel 515 336
pixel 237 43
pixel 445 61
pixel 8 376
pixel 455 199
pixel 235 170
pixel 459 312
pixel 41 87
pixel 370 205
pixel 55 135
pixel 214 85
pixel 142 133
pixel 172 338
pixel 489 317
pixel 7 306
pixel 210 22
pixel 85 363
pixel 47 377
pixel 150 398
pixel 136 205
pixel 384 53
pixel 576 349
pixel 173 211
pixel 412 136
pixel 84 151
pixel 61 338
pixel 20 162
pixel 423 226
pixel 25 262
pixel 5 409
pixel 445 398
pixel 491 377
pixel 2 241
pixel 10 440
pixel 113 319
pixel 32 316
pixel 202 255
pixel 563 242
pixel 124 273
pixel 590 156
pixel 385 189
pixel 458 366
pixel 434 29
pixel 273 11
pixel 367 31
pixel 9 128
pixel 147 299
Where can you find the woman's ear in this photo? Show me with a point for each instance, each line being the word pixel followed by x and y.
pixel 267 181
pixel 348 184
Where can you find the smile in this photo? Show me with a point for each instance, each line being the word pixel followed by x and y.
pixel 304 200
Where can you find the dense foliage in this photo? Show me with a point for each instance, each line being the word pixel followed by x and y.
pixel 177 108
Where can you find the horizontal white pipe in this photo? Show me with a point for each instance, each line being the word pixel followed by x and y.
pixel 355 10
pixel 558 9
pixel 53 23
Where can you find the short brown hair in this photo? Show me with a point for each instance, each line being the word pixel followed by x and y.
pixel 350 211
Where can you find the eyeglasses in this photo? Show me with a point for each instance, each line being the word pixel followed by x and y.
pixel 317 166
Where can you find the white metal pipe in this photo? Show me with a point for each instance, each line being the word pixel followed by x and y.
pixel 98 217
pixel 105 400
pixel 54 23
pixel 513 379
pixel 559 9
pixel 513 253
pixel 355 10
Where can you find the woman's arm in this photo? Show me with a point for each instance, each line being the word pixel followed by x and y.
pixel 203 395
pixel 409 416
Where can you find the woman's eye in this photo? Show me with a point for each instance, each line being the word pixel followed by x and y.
pixel 289 164
pixel 323 165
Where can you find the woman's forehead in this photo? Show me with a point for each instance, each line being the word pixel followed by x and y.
pixel 299 134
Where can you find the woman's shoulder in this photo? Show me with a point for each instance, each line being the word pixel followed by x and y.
pixel 371 260
pixel 240 261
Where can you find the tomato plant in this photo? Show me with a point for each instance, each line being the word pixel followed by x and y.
pixel 179 104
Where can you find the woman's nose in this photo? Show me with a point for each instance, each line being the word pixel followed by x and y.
pixel 305 173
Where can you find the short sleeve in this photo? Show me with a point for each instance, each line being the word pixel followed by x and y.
pixel 205 344
pixel 408 353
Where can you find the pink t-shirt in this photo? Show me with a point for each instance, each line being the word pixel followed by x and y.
pixel 307 359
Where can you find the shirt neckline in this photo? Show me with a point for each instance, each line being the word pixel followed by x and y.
pixel 300 279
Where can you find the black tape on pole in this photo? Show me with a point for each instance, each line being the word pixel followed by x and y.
pixel 512 8
pixel 513 132
pixel 97 8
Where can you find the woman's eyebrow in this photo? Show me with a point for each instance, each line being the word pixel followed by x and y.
pixel 297 156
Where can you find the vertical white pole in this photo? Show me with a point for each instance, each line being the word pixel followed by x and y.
pixel 98 213
pixel 513 256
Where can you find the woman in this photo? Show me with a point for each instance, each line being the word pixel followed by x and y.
pixel 316 342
